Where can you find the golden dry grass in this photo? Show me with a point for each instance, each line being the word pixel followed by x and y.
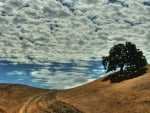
pixel 100 96
pixel 25 99
pixel 13 96
pixel 128 96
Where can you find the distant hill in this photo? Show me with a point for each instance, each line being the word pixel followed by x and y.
pixel 101 96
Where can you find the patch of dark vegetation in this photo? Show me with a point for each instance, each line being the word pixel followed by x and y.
pixel 61 107
pixel 127 74
pixel 128 58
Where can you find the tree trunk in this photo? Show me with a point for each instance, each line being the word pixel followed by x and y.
pixel 121 69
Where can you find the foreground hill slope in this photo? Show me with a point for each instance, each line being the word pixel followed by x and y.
pixel 104 95
pixel 25 99
pixel 13 96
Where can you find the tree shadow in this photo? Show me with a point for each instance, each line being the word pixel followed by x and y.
pixel 127 74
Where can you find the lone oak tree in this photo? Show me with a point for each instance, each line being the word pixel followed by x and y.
pixel 122 55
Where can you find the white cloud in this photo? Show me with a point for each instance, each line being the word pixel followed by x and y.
pixel 50 31
pixel 61 79
pixel 16 73
pixel 64 75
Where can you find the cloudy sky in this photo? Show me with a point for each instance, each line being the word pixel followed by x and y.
pixel 59 43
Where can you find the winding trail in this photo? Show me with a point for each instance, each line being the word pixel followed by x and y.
pixel 35 99
pixel 25 107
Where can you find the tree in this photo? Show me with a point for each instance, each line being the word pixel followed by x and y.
pixel 124 55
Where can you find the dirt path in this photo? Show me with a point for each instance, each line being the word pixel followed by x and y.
pixel 36 100
pixel 25 107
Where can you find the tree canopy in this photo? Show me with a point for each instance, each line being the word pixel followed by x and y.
pixel 124 55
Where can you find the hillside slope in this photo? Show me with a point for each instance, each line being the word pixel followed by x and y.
pixel 13 96
pixel 100 96
pixel 24 99
pixel 128 96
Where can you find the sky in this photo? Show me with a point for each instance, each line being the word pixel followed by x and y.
pixel 56 75
pixel 53 43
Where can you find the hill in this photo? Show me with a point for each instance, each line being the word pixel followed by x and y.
pixel 103 96
pixel 100 96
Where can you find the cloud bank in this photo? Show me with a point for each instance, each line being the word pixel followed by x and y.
pixel 42 31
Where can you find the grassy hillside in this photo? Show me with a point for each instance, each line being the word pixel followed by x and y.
pixel 112 94
pixel 13 96
pixel 128 95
